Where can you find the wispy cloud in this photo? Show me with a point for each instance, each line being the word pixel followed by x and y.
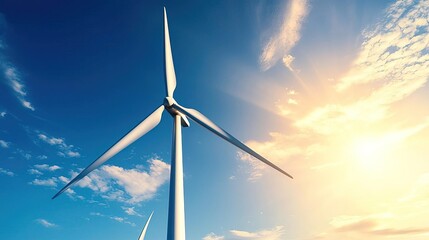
pixel 50 182
pixel 280 45
pixel 14 80
pixel 370 226
pixel 4 144
pixel 26 155
pixel 212 236
pixel 373 115
pixel 140 185
pixel 46 167
pixel 40 168
pixel 130 211
pixel 34 171
pixel 46 223
pixel 11 74
pixel 6 172
pixel 64 149
pixel 392 64
pixel 122 220
pixel 115 218
pixel 3 114
pixel 125 185
pixel 394 52
pixel 276 233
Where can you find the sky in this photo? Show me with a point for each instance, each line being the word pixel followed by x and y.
pixel 333 92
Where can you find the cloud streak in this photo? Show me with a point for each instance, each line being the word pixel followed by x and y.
pixel 280 45
pixel 46 167
pixel 45 223
pixel 212 236
pixel 64 149
pixel 130 211
pixel 6 172
pixel 4 144
pixel 372 225
pixel 14 80
pixel 275 233
pixel 51 182
pixel 12 75
pixel 367 128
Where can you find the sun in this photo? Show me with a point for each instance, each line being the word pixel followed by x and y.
pixel 370 151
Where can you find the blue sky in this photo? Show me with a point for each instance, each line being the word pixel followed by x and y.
pixel 331 91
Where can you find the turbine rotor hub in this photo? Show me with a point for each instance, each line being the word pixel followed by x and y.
pixel 168 102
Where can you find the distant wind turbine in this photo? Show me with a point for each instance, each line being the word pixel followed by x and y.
pixel 176 210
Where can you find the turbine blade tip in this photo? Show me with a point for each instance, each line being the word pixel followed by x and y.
pixel 55 196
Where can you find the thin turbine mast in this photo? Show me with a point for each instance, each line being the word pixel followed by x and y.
pixel 176 203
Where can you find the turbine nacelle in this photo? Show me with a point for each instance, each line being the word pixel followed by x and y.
pixel 169 104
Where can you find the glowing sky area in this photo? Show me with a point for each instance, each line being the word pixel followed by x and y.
pixel 334 92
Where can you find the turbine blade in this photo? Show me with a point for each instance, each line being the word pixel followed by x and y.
pixel 207 123
pixel 142 128
pixel 170 75
pixel 145 227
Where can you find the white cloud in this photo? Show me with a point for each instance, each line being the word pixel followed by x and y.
pixel 140 185
pixel 46 167
pixel 370 101
pixel 394 52
pixel 51 140
pixel 280 45
pixel 277 233
pixel 116 218
pixel 130 211
pixel 27 104
pixel 287 61
pixel 123 220
pixel 212 236
pixel 46 223
pixel 50 182
pixel 14 80
pixel 73 195
pixel 96 181
pixel 279 149
pixel 96 214
pixel 6 172
pixel 125 185
pixel 23 153
pixel 371 225
pixel 393 63
pixel 65 150
pixel 4 144
pixel 34 172
pixel 42 157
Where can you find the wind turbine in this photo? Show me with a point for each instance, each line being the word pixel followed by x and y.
pixel 176 210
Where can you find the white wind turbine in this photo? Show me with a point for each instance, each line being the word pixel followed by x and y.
pixel 176 210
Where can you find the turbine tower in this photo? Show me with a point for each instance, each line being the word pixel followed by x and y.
pixel 176 210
